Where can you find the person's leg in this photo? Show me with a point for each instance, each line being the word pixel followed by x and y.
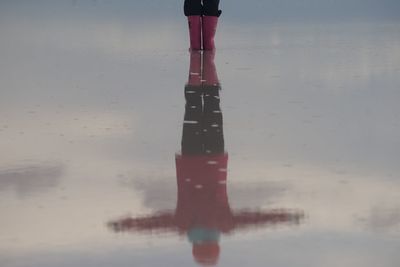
pixel 193 10
pixel 211 13
pixel 211 8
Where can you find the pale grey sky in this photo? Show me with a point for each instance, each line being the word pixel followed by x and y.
pixel 249 10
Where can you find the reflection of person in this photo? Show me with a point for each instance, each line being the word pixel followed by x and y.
pixel 203 212
pixel 203 19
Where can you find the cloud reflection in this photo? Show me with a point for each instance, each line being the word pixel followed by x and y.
pixel 384 219
pixel 29 179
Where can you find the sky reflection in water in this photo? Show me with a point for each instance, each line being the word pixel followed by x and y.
pixel 92 108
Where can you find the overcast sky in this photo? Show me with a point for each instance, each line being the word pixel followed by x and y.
pixel 249 10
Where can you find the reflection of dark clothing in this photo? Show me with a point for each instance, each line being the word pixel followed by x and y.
pixel 202 126
pixel 201 7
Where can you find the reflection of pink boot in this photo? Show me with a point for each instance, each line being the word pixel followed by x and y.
pixel 210 76
pixel 195 32
pixel 209 30
pixel 195 68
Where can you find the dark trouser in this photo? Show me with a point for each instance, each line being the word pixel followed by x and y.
pixel 201 7
pixel 203 126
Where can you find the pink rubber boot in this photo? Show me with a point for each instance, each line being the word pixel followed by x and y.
pixel 195 32
pixel 209 30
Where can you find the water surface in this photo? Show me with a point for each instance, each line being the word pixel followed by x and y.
pixel 92 110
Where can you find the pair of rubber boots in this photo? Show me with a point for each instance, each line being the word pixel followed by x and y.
pixel 202 31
